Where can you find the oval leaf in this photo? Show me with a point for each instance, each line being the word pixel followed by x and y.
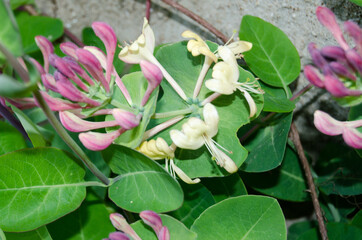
pixel 273 56
pixel 37 186
pixel 142 184
pixel 244 217
pixel 13 88
pixel 37 234
pixel 10 139
pixel 336 231
pixel 285 182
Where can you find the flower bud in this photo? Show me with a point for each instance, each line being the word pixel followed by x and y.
pixel 337 88
pixel 317 57
pixel 46 47
pixel 154 77
pixel 63 66
pixel 327 18
pixel 326 124
pixel 125 119
pixel 118 236
pixel 120 223
pixel 354 59
pixel 56 104
pixel 356 33
pixel 333 52
pixel 108 37
pixel 69 48
pixel 93 66
pixel 311 73
pixel 78 69
pixel 164 234
pixel 353 137
pixel 341 70
pixel 37 66
pixel 74 123
pixel 49 82
pixel 152 219
pixel 98 141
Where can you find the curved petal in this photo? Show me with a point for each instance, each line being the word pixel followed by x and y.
pixel 98 141
pixel 211 118
pixel 182 175
pixel 183 141
pixel 326 124
pixel 353 137
pixel 218 86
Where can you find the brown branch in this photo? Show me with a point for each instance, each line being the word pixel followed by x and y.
pixel 197 18
pixel 294 135
pixel 31 10
pixel 148 10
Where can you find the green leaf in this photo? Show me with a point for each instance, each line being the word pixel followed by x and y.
pixel 275 99
pixel 10 138
pixel 273 56
pixel 336 231
pixel 285 182
pixel 336 208
pixel 357 220
pixel 33 130
pixel 136 84
pixel 90 221
pixel 37 234
pixel 267 141
pixel 197 199
pixel 244 217
pixel 90 39
pixel 338 170
pixel 38 186
pixel 9 31
pixel 233 110
pixel 17 3
pixel 297 229
pixel 14 88
pixel 31 26
pixel 142 184
pixel 358 2
pixel 225 187
pixel 178 231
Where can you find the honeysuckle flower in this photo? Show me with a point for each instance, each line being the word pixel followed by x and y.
pixel 159 149
pixel 148 217
pixel 197 46
pixel 196 133
pixel 142 49
pixel 154 77
pixel 330 126
pixel 46 47
pixel 225 79
pixel 125 119
pixel 99 141
pixel 74 123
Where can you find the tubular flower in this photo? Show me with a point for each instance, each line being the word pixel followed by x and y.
pixel 341 66
pixel 225 79
pixel 159 149
pixel 150 218
pixel 330 126
pixel 197 46
pixel 196 132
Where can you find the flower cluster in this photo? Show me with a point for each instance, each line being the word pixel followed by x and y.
pixel 126 232
pixel 342 68
pixel 341 65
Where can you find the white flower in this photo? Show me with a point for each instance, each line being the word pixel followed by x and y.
pixel 196 132
pixel 159 149
pixel 142 48
pixel 225 78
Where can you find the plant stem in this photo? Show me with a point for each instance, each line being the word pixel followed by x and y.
pixel 161 127
pixel 67 139
pixel 197 18
pixel 172 113
pixel 294 135
pixel 211 98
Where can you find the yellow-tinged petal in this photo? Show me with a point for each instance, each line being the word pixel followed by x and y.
pixel 211 118
pixel 198 46
pixel 182 175
pixel 239 47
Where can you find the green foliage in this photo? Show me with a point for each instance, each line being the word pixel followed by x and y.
pixel 244 217
pixel 269 140
pixel 285 182
pixel 13 88
pixel 178 231
pixel 10 139
pixel 50 181
pixel 273 56
pixel 297 229
pixel 81 224
pixel 197 199
pixel 225 187
pixel 336 231
pixel 142 184
pixel 358 2
pixel 37 234
pixel 357 220
pixel 17 3
pixel 9 32
pixel 275 99
pixel 31 26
